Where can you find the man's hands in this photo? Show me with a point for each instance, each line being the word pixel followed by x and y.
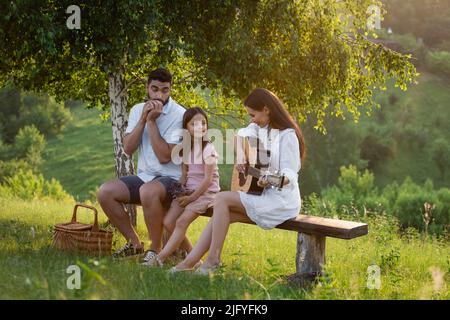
pixel 155 112
pixel 151 111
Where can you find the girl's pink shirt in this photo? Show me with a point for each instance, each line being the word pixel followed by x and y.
pixel 196 168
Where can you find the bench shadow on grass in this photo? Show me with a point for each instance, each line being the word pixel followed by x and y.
pixel 32 269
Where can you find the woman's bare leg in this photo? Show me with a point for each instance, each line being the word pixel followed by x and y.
pixel 228 208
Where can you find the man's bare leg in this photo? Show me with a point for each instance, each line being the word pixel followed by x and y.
pixel 152 197
pixel 111 195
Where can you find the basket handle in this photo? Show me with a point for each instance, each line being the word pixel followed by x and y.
pixel 95 227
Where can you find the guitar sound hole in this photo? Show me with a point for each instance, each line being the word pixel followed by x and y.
pixel 242 179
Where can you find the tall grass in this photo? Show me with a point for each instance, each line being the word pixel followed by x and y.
pixel 255 263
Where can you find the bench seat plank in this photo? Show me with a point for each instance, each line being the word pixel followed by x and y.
pixel 327 227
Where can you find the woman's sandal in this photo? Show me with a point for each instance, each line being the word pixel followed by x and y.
pixel 209 270
pixel 175 269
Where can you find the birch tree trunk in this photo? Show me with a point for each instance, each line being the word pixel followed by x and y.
pixel 119 117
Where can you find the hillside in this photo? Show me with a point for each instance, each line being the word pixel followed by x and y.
pixel 81 157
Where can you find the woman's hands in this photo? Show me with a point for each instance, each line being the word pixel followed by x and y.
pixel 262 182
pixel 241 167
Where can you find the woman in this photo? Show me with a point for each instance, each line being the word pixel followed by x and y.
pixel 273 206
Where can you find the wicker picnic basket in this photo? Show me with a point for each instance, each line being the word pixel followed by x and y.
pixel 82 237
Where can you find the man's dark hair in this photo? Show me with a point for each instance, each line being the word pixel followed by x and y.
pixel 160 74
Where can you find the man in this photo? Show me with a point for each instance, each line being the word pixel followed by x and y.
pixel 153 129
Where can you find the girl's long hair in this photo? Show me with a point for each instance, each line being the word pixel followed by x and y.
pixel 188 115
pixel 279 117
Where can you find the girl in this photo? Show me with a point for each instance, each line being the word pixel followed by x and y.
pixel 199 183
pixel 273 206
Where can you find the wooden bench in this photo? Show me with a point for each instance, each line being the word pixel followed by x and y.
pixel 312 232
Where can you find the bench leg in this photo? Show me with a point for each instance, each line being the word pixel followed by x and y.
pixel 309 260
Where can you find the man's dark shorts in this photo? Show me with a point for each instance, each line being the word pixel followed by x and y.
pixel 134 183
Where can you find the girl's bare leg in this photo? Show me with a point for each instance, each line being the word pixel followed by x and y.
pixel 199 250
pixel 226 201
pixel 170 219
pixel 178 235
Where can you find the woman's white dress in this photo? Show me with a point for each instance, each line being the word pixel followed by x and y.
pixel 274 206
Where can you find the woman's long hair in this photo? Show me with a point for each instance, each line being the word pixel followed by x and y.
pixel 279 117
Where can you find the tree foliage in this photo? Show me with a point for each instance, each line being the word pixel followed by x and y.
pixel 315 54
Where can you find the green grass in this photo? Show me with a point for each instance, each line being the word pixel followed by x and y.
pixel 255 263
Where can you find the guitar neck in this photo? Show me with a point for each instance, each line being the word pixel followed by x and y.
pixel 254 172
pixel 273 179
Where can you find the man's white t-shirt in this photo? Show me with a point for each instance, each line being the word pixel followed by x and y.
pixel 169 124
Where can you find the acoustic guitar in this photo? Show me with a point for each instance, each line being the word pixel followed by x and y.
pixel 247 181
